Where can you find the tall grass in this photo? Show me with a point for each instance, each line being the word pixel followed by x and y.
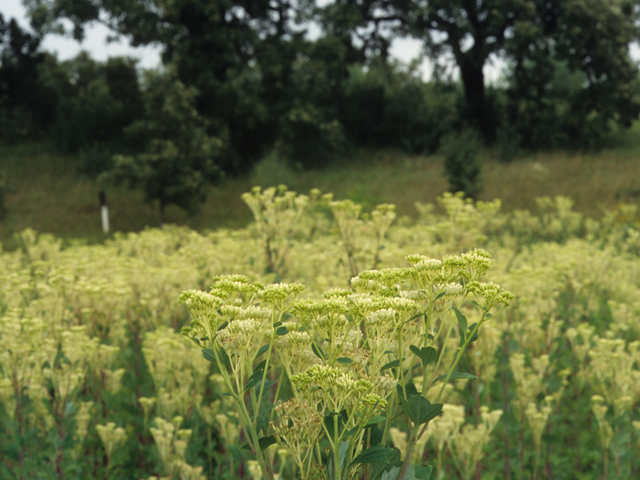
pixel 50 197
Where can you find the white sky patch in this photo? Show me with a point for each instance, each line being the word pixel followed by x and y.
pixel 95 41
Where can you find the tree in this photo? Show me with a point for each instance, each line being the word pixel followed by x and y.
pixel 26 105
pixel 568 85
pixel 592 36
pixel 238 54
pixel 179 160
pixel 96 102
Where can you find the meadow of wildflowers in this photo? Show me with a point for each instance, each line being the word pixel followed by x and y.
pixel 322 342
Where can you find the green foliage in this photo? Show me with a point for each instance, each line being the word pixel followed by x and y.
pixel 96 382
pixel 571 75
pixel 97 102
pixel 508 142
pixel 5 187
pixel 263 85
pixel 385 106
pixel 461 162
pixel 592 37
pixel 180 159
pixel 26 106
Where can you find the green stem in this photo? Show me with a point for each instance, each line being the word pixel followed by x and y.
pixel 387 423
pixel 461 351
pixel 336 449
pixel 410 447
pixel 442 352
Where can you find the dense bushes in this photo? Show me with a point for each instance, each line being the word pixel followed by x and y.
pixel 304 100
pixel 386 106
pixel 97 101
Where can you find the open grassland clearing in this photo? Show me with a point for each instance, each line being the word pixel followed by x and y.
pixel 49 197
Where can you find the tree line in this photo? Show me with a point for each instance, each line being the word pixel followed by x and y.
pixel 243 77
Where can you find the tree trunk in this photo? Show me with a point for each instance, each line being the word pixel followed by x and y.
pixel 473 82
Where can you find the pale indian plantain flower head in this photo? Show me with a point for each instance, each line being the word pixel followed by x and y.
pixel 599 409
pixel 297 427
pixel 277 294
pixel 242 338
pixel 491 293
pixel 295 351
pixel 334 387
pixel 254 469
pixel 537 419
pixel 111 436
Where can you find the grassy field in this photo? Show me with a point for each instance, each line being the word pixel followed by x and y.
pixel 50 197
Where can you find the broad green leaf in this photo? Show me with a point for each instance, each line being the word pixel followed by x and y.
pixel 394 459
pixel 462 321
pixel 255 377
pixel 263 442
pixel 224 357
pixel 376 435
pixel 391 364
pixel 266 442
pixel 419 409
pixel 262 350
pixel 317 351
pixel 342 451
pixel 375 454
pixel 395 472
pixel 456 376
pixel 426 354
pixel 223 325
pixel 282 330
pixel 261 365
pixel 375 420
pixel 263 418
pixel 267 385
pixel 344 360
pixel 208 354
pixel 475 336
pixel 409 388
pixel 350 432
pixel 478 305
pixel 423 472
pixel 415 350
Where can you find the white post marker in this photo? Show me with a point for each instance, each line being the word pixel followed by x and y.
pixel 104 211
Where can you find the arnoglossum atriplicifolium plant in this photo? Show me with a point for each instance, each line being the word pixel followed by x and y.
pixel 361 234
pixel 353 361
pixel 278 213
pixel 96 381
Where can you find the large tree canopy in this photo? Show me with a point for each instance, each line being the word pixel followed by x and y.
pixel 237 54
pixel 25 106
pixel 591 36
pixel 254 67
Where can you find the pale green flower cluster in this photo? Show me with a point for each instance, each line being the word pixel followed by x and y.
pixel 346 356
pixel 172 444
pixel 71 314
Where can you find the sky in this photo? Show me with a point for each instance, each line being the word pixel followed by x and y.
pixel 95 43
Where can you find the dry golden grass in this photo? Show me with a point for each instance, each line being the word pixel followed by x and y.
pixel 50 197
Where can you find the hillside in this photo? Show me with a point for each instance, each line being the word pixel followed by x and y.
pixel 50 197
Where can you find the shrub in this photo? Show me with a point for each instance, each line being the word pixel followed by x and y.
pixel 461 165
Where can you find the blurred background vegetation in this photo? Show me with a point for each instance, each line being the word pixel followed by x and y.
pixel 255 98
